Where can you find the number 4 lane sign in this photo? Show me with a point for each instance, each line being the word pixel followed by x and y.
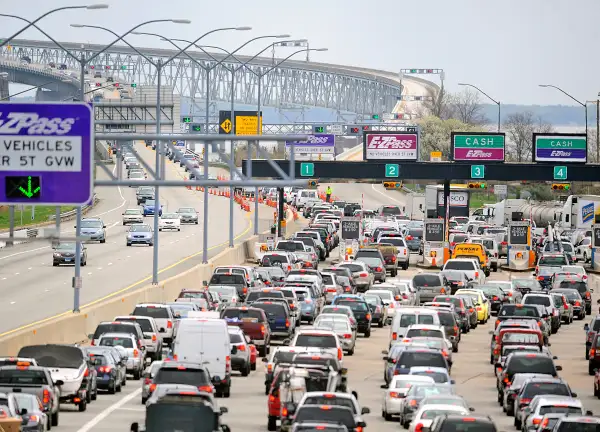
pixel 560 173
pixel 307 169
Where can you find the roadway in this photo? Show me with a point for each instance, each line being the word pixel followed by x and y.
pixel 33 290
pixel 248 405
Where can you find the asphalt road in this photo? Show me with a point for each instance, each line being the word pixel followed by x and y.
pixel 32 289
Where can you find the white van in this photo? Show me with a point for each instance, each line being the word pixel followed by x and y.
pixel 205 341
pixel 407 316
pixel 305 195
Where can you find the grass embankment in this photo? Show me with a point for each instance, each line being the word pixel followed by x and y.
pixel 41 215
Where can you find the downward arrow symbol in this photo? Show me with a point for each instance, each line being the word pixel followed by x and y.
pixel 28 192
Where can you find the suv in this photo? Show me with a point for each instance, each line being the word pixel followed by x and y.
pixel 467 265
pixel 538 386
pixel 547 302
pixel 430 285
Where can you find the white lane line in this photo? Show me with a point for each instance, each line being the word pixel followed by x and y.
pixel 105 413
pixel 99 268
pixel 132 409
pixel 24 252
pixel 90 273
pixel 386 195
pixel 29 268
pixel 12 302
pixel 109 264
pixel 16 274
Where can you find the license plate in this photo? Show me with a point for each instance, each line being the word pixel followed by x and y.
pixel 68 259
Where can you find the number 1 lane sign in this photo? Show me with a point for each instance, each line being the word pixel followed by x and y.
pixel 46 153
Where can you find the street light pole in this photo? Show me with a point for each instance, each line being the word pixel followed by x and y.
pixel 32 23
pixel 576 100
pixel 488 96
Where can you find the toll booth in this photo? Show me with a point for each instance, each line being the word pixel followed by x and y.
pixel 520 256
pixel 351 233
pixel 596 247
pixel 434 243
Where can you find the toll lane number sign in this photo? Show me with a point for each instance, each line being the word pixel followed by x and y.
pixel 434 232
pixel 518 235
pixel 350 228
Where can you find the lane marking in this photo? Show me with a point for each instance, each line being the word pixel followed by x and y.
pixel 386 195
pixel 105 413
pixel 249 225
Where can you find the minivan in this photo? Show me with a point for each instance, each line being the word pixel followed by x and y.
pixel 304 196
pixel 206 342
pixel 406 317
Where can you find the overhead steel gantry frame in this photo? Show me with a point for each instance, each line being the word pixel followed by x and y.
pixel 295 82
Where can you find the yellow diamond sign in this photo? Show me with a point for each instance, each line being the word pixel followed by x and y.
pixel 226 126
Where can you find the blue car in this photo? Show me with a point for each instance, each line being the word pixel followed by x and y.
pixel 149 208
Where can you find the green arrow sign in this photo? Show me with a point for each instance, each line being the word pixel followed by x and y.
pixel 29 192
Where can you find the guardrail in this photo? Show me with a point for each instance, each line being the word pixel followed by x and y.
pixel 73 213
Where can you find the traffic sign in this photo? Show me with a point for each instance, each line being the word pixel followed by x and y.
pixel 477 171
pixel 195 128
pixel 46 156
pixel 307 169
pixel 350 228
pixel 246 122
pixel 560 173
pixel 500 189
pixel 392 170
pixel 336 129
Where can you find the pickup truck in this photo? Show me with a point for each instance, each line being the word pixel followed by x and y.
pixel 255 324
pixel 389 257
pixel 34 380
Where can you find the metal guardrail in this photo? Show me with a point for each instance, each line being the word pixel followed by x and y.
pixel 71 214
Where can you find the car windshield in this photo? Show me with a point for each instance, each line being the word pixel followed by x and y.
pixel 310 413
pixel 427 281
pixel 140 228
pixel 316 340
pixel 438 377
pixel 415 233
pixel 460 265
pixel 91 224
pixel 133 212
pixel 226 279
pixel 170 216
pixel 459 425
pixel 578 285
pixel 125 342
pixel 356 306
pixel 491 290
pixel 569 294
pixel 525 283
pixel 150 202
pixel 409 319
pixel 453 275
pixel 186 210
pixel 327 400
pixel 425 390
pixel 145 324
pixel 567 247
pixel 182 375
pixel 66 247
pixel 537 300
pixel 396 241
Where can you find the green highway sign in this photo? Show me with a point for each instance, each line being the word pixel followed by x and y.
pixel 477 171
pixel 392 170
pixel 560 173
pixel 307 169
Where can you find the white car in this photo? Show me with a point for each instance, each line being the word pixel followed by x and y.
pixel 583 249
pixel 169 221
pixel 131 216
pixel 427 413
pixel 135 356
pixel 468 266
pixel 396 391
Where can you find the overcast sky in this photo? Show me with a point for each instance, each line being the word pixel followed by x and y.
pixel 505 47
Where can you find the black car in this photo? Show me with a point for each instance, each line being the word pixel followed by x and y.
pixel 524 362
pixel 144 193
pixel 457 280
pixel 451 422
pixel 350 208
pixel 578 282
pixel 362 313
pixel 64 253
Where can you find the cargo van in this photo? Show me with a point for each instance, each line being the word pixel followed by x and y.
pixel 304 196
pixel 405 317
pixel 205 341
pixel 473 250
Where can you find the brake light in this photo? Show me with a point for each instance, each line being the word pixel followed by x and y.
pixel 395 394
pixel 147 381
pixel 153 338
pixel 347 336
pixel 413 403
pixel 269 368
pixel 228 364
pixel 287 323
pixel 394 258
pixel 340 354
pixel 169 324
pixel 409 237
pixel 363 274
pixel 105 369
pixel 262 330
pixel 539 324
pixel 577 303
pixel 445 353
pixel 497 322
pixel 455 331
pixel 495 298
pixel 356 429
pixel 152 387
pixel 378 269
pixel 394 336
pixel 242 348
pixel 207 389
pixel 284 412
pixel 245 290
pixel 536 421
pixel 476 274
pixel 587 295
pixel 504 243
pixel 136 353
pixel 404 252
pixel 46 397
pixel 419 427
pixel 86 373
pixel 368 316
pixel 540 278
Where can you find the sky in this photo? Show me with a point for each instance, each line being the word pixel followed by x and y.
pixel 506 48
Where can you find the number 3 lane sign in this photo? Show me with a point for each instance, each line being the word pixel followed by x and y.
pixel 477 171
pixel 392 170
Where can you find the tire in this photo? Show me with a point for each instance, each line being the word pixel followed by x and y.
pixel 113 389
pixel 136 375
pixel 246 371
pixel 591 370
pixel 394 273
pixel 95 394
pixel 388 417
pixel 587 354
pixel 119 388
pixel 88 397
pixel 128 244
pixel 253 366
pixel 368 333
pixel 517 423
pixel 262 351
pixel 55 264
pixel 272 423
pixel 351 351
pixel 267 388
pixel 227 391
pixel 585 257
pixel 103 241
pixel 150 244
pixel 455 348
pixel 380 323
pixel 82 406
pixel 54 417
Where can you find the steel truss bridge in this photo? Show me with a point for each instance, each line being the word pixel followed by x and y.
pixel 294 83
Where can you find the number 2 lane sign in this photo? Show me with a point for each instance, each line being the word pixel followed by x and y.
pixel 392 170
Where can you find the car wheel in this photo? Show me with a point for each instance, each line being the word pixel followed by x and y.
pixel 351 351
pixel 103 241
pixel 54 417
pixel 591 369
pixel 136 374
pixel 246 370
pixel 253 366
pixel 128 244
pixel 368 333
pixel 150 244
pixel 394 273
pixel 55 264
pixel 585 257
pixel 272 423
pixel 88 396
pixel 112 389
pixel 82 406
pixel 380 323
pixel 227 391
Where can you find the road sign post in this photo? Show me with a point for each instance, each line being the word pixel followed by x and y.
pixel 47 156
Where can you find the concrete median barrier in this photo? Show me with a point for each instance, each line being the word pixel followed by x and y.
pixel 74 328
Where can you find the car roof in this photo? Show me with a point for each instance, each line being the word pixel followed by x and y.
pixel 429 368
pixel 116 334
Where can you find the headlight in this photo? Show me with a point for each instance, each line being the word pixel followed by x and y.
pixel 56 255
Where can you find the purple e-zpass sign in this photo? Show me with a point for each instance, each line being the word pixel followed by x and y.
pixel 46 155
pixel 318 143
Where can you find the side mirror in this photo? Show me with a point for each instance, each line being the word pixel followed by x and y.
pixel 384 386
pixel 589 413
pixel 471 409
pixel 355 394
pixel 234 350
pixel 224 410
pixel 365 410
pixel 452 382
pixel 559 368
pixel 204 283
pixel 135 427
pixel 573 394
pixel 91 335
pixel 23 411
pixel 59 383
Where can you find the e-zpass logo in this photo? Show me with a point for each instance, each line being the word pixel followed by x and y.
pixel 313 139
pixel 15 122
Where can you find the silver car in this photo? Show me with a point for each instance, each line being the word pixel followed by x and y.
pixel 140 234
pixel 94 229
pixel 188 215
pixel 240 361
pixel 363 277
pixel 342 328
pixel 135 355
pixel 149 374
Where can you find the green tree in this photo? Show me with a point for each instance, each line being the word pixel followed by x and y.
pixel 435 134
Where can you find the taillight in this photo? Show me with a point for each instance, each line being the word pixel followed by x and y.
pixel 495 298
pixel 245 290
pixel 347 336
pixel 340 354
pixel 395 395
pixel 93 343
pixel 228 364
pixel 136 353
pixel 292 306
pixel 357 429
pixel 394 258
pixel 242 348
pixel 378 269
pixel 394 336
pixel 147 381
pixel 284 412
pixel 524 401
pixel 262 329
pixel 169 324
pixel 587 295
pixel 46 397
pixel 152 387
pixel 577 303
pixel 86 373
pixel 368 316
pixel 287 323
pixel 207 389
pixel 536 421
pixel 105 369
pixel 539 324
